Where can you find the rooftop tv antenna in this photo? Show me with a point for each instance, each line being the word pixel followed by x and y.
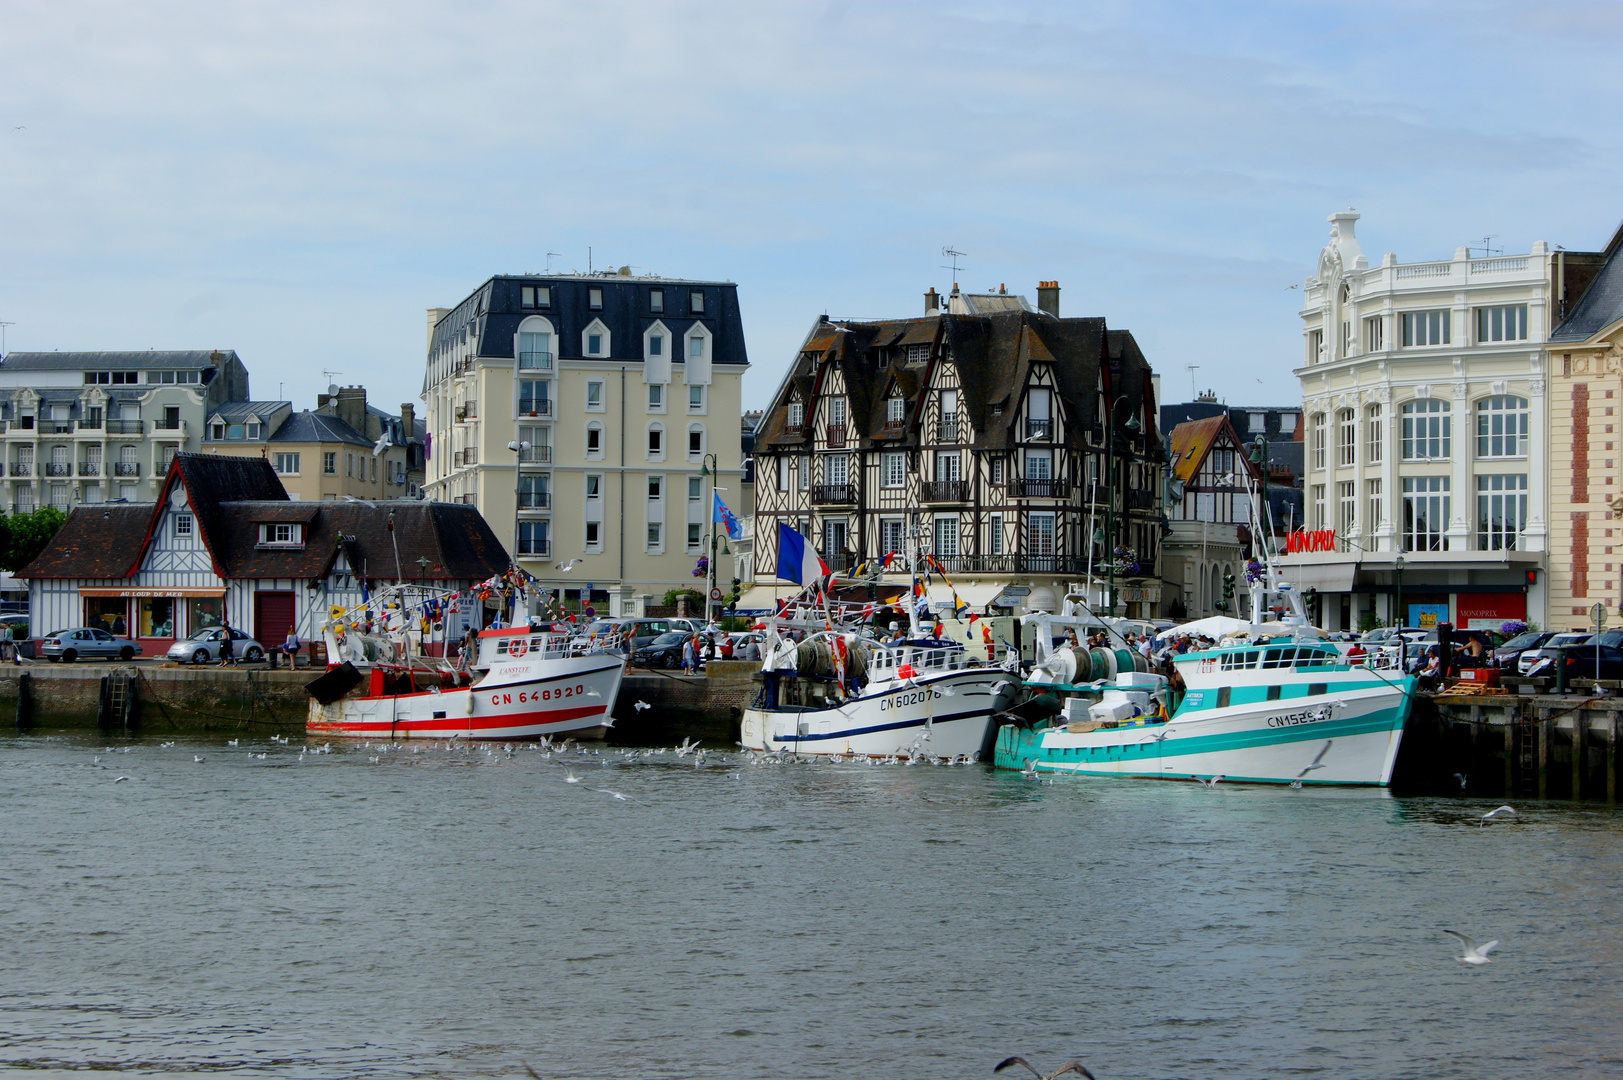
pixel 1192 368
pixel 3 326
pixel 553 255
pixel 948 252
pixel 1487 250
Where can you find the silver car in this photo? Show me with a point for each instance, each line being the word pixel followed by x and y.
pixel 204 647
pixel 87 642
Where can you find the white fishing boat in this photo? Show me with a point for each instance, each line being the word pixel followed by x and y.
pixel 520 684
pixel 834 694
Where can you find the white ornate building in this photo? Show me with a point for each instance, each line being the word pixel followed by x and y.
pixel 1423 389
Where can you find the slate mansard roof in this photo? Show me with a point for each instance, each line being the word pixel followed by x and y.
pixel 993 355
pixel 1601 304
pixel 490 316
pixel 195 359
pixel 309 427
pixel 231 497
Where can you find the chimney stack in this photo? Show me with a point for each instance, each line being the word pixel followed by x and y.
pixel 1048 297
pixel 408 417
pixel 351 402
pixel 932 302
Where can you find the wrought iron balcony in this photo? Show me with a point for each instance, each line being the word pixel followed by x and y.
pixel 126 468
pixel 842 494
pixel 470 456
pixel 22 468
pixel 1039 429
pixel 125 427
pixel 537 551
pixel 58 468
pixel 534 406
pixel 89 468
pixel 836 437
pixel 535 500
pixel 468 410
pixel 168 424
pixel 535 360
pixel 90 425
pixel 56 427
pixel 468 499
pixel 536 455
pixel 1013 564
pixel 1141 500
pixel 947 430
pixel 1024 488
pixel 953 491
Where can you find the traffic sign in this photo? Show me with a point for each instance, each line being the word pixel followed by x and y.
pixel 1017 590
pixel 715 594
pixel 1597 615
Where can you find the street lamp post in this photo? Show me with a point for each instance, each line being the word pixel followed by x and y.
pixel 708 468
pixel 1110 497
pixel 1397 567
pixel 519 449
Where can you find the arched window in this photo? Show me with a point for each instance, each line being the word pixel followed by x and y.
pixel 533 344
pixel 656 442
pixel 695 442
pixel 1346 437
pixel 1501 427
pixel 594 439
pixel 1427 430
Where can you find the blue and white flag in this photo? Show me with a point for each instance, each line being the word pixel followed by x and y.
pixel 798 561
pixel 719 512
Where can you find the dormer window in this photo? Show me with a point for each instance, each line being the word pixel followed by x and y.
pixel 696 302
pixel 797 414
pixel 535 296
pixel 281 534
pixel 253 430
pixel 656 300
pixel 216 431
pixel 594 299
pixel 895 410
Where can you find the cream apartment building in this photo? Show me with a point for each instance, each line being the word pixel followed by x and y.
pixel 622 397
pixel 1427 426
pixel 91 427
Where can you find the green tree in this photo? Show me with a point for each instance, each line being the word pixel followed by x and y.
pixel 26 535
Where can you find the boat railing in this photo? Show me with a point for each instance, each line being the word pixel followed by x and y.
pixel 887 660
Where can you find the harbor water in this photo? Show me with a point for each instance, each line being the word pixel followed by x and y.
pixel 463 912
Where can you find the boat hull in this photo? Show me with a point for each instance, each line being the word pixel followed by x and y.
pixel 945 715
pixel 554 696
pixel 1270 743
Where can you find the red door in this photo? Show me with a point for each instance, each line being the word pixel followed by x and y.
pixel 273 618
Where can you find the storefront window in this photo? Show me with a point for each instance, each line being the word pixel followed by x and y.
pixel 157 617
pixel 107 612
pixel 204 613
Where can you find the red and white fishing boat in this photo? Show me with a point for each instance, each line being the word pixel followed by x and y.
pixel 522 684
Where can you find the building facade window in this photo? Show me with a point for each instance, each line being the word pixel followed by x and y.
pixel 892 533
pixel 534 296
pixel 1508 323
pixel 696 345
pixel 695 488
pixel 1375 435
pixel 656 397
pixel 696 303
pixel 1316 506
pixel 1315 346
pixel 1374 334
pixel 895 410
pixel 1427 328
pixel 1427 430
pixel 997 469
pixel 656 531
pixel 1372 502
pixel 1346 437
pixel 893 470
pixel 946 535
pixel 783 473
pixel 656 300
pixel 1040 535
pixel 797 414
pixel 594 439
pixel 1039 464
pixel 695 399
pixel 534 351
pixel 183 524
pixel 656 485
pixel 594 395
pixel 995 535
pixel 1317 436
pixel 594 298
pixel 329 463
pixel 803 464
pixel 286 464
pixel 1346 506
pixel 1501 427
pixel 1501 511
pixel 1425 513
pixel 534 537
pixel 695 441
pixel 695 535
pixel 533 397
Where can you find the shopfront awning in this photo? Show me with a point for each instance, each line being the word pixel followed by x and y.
pixel 141 594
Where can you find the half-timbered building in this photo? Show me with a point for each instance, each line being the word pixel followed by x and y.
pixel 976 435
pixel 224 544
pixel 1209 534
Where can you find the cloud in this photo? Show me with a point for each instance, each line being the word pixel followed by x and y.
pixel 299 181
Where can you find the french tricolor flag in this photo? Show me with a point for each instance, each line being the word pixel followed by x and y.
pixel 798 561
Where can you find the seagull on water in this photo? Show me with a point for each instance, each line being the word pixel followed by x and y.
pixel 617 796
pixel 196 758
pixel 1325 749
pixel 1511 810
pixel 570 777
pixel 1474 955
pixel 1069 1066
pixel 1212 782
pixel 231 742
pixel 121 779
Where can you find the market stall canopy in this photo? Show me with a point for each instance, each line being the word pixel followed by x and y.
pixel 1214 627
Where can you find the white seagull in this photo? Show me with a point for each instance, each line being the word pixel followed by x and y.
pixel 121 779
pixel 618 797
pixel 565 567
pixel 1474 955
pixel 1511 810
pixel 1069 1066
pixel 196 758
pixel 570 777
pixel 231 742
pixel 1212 782
pixel 1325 749
pixel 642 705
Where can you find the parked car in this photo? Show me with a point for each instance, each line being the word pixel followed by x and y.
pixel 665 651
pixel 1590 659
pixel 204 647
pixel 1525 662
pixel 87 642
pixel 1506 655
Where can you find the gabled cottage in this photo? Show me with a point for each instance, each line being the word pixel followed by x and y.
pixel 225 543
pixel 981 431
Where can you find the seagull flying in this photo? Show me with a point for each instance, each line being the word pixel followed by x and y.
pixel 1511 810
pixel 1069 1066
pixel 121 779
pixel 641 705
pixel 566 566
pixel 1474 956
pixel 570 777
pixel 1212 782
pixel 1325 749
pixel 617 796
pixel 1029 770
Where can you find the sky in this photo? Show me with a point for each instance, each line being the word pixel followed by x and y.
pixel 299 182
